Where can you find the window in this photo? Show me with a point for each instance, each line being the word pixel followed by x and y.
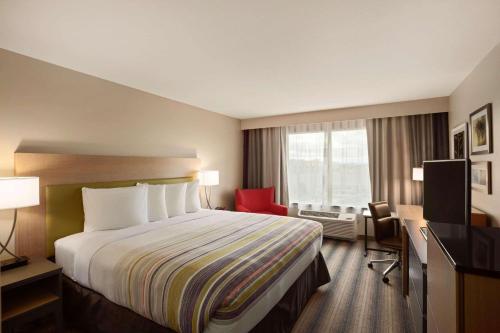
pixel 328 164
pixel 350 175
pixel 305 167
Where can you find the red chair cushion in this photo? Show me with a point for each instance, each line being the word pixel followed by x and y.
pixel 255 199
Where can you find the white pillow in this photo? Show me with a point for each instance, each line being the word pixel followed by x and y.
pixel 175 197
pixel 114 208
pixel 157 207
pixel 193 203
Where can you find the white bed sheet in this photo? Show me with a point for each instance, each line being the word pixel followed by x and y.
pixel 75 254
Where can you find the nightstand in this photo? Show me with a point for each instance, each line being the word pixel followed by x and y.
pixel 30 292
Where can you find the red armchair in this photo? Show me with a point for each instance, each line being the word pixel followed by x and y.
pixel 259 200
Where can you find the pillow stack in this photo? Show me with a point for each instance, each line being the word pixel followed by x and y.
pixel 122 207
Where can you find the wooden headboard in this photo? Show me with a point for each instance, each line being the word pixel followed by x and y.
pixel 56 169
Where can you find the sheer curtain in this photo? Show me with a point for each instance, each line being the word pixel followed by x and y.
pixel 307 163
pixel 328 164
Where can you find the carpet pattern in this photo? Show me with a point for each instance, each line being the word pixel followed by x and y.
pixel 356 300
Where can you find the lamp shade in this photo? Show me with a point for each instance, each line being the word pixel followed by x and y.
pixel 19 192
pixel 418 174
pixel 209 177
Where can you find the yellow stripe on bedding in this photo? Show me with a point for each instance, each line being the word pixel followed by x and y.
pixel 268 274
pixel 176 290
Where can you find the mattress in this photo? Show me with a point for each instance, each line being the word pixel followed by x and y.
pixel 92 259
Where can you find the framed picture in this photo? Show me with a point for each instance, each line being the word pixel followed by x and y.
pixel 481 177
pixel 481 128
pixel 460 142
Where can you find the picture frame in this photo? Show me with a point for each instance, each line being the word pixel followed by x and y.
pixel 481 177
pixel 481 130
pixel 460 142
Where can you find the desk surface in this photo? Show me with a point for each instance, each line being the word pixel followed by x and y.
pixel 410 212
pixel 412 217
pixel 417 239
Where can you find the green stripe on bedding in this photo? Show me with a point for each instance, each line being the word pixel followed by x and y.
pixel 214 272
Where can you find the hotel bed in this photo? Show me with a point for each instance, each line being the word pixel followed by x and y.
pixel 209 271
pixel 205 271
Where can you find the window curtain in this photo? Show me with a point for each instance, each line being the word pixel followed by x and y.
pixel 264 160
pixel 398 144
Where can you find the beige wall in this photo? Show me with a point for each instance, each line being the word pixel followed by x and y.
pixel 432 105
pixel 480 87
pixel 46 108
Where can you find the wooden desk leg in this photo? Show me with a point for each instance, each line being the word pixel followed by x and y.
pixel 405 260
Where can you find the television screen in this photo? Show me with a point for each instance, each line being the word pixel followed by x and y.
pixel 447 191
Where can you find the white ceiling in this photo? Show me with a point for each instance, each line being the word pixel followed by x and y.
pixel 261 57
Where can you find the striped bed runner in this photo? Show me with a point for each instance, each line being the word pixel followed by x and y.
pixel 215 272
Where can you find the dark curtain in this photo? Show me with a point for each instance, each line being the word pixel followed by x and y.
pixel 398 144
pixel 264 160
pixel 246 134
pixel 441 136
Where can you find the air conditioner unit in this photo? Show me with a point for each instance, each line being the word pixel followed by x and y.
pixel 335 225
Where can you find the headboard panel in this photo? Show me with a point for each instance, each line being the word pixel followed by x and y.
pixel 64 206
pixel 64 169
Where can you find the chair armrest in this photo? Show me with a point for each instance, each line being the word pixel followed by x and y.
pixel 241 208
pixel 395 221
pixel 279 209
pixel 386 219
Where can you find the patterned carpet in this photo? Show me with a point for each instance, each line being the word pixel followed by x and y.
pixel 356 300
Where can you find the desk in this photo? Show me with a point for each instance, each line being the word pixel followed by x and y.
pixel 414 263
pixel 414 260
pixel 412 219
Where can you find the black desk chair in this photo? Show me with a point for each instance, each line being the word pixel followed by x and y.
pixel 387 234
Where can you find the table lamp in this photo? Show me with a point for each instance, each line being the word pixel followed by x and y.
pixel 15 193
pixel 418 174
pixel 209 178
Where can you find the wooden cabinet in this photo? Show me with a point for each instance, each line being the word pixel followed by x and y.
pixel 30 292
pixel 442 288
pixel 459 301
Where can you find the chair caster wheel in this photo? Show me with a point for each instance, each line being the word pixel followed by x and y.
pixel 385 279
pixel 370 265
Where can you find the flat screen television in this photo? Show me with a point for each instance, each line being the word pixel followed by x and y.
pixel 447 191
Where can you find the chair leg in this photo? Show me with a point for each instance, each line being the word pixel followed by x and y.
pixel 378 261
pixel 382 260
pixel 389 269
